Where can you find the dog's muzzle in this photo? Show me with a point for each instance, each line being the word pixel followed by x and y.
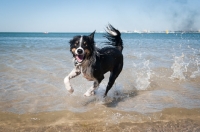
pixel 79 55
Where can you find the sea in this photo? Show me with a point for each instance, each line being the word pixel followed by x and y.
pixel 160 81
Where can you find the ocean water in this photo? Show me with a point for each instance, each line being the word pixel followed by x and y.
pixel 160 71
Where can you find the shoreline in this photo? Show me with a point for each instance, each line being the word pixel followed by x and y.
pixel 170 119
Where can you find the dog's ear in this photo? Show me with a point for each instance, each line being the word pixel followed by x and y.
pixel 91 36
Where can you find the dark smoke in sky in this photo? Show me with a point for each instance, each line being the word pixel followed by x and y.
pixel 184 18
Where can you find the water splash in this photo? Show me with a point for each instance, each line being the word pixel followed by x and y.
pixel 196 73
pixel 179 67
pixel 142 74
pixel 195 62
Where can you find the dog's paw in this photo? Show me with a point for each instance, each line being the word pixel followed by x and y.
pixel 71 90
pixel 89 93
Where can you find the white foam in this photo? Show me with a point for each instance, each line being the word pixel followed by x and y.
pixel 179 67
pixel 142 74
pixel 196 73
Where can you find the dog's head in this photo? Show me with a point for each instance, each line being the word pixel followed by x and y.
pixel 82 47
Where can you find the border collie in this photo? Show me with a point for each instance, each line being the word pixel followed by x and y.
pixel 93 62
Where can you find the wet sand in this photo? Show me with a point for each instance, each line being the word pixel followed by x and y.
pixel 172 119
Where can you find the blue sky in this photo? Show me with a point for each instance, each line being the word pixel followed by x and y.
pixel 90 15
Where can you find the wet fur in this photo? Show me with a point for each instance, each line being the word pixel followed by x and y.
pixel 96 61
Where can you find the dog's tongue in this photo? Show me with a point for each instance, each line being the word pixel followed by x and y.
pixel 79 58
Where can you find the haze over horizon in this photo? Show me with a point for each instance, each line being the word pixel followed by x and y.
pixel 88 15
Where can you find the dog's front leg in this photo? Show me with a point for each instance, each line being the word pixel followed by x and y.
pixel 75 72
pixel 96 83
pixel 90 91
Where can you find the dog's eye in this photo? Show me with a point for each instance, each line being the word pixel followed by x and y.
pixel 85 43
pixel 76 43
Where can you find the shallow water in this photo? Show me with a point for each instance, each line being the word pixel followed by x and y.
pixel 160 71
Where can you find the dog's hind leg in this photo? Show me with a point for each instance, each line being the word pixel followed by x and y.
pixel 75 72
pixel 110 83
pixel 96 83
pixel 113 75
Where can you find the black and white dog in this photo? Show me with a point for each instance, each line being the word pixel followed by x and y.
pixel 93 62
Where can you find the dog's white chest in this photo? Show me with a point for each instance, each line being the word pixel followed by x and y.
pixel 87 73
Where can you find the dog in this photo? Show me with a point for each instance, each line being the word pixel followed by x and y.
pixel 94 62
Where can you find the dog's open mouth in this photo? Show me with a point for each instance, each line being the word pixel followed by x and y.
pixel 79 58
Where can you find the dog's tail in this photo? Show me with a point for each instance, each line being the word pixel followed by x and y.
pixel 114 37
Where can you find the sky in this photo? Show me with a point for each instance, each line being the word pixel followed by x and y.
pixel 90 15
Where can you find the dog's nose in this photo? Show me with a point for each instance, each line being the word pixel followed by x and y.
pixel 80 51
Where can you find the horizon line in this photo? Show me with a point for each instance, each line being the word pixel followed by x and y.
pixel 122 31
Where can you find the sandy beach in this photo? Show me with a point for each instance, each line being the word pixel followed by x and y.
pixel 169 120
